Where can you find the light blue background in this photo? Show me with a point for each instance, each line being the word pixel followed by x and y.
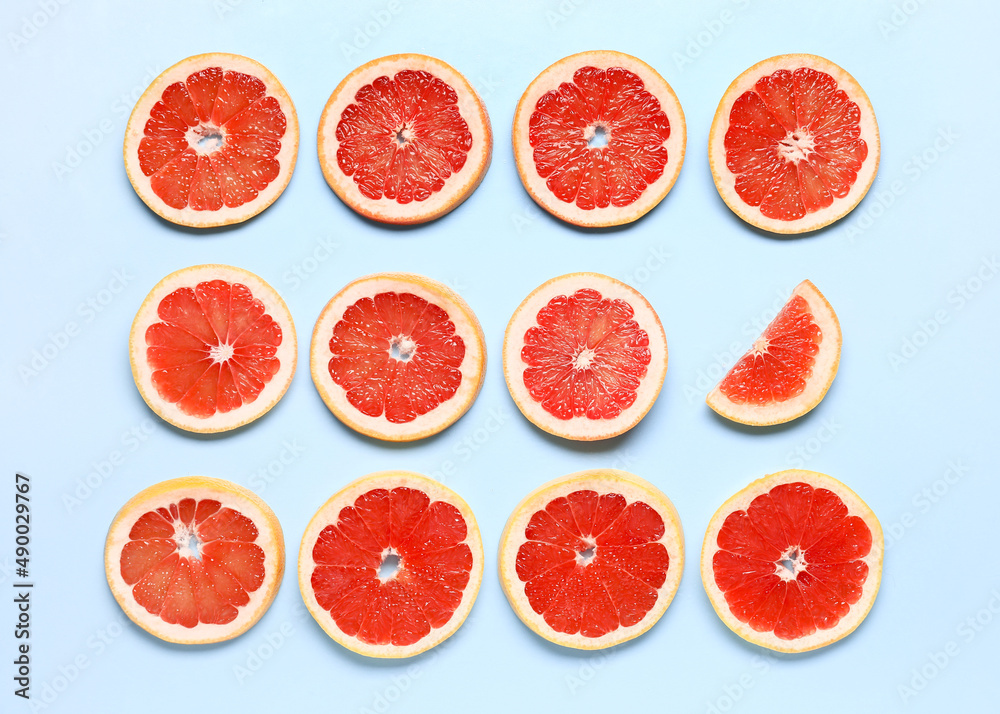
pixel 889 430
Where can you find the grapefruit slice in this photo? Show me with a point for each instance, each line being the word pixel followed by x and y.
pixel 584 357
pixel 790 367
pixel 212 141
pixel 599 138
pixel 398 356
pixel 212 348
pixel 404 139
pixel 391 565
pixel 794 145
pixel 195 560
pixel 793 561
pixel 592 559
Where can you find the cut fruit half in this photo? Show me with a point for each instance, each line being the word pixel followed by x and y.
pixel 195 560
pixel 599 139
pixel 391 565
pixel 398 356
pixel 794 145
pixel 592 559
pixel 793 561
pixel 584 357
pixel 790 367
pixel 212 141
pixel 212 348
pixel 404 139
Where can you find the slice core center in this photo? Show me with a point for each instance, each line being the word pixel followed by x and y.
pixel 587 554
pixel 596 136
pixel 390 566
pixel 584 359
pixel 402 348
pixel 206 139
pixel 796 146
pixel 188 544
pixel 221 353
pixel 791 564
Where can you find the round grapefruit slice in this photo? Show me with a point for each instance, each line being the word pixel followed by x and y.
pixel 790 367
pixel 794 145
pixel 212 348
pixel 793 561
pixel 584 357
pixel 599 138
pixel 195 560
pixel 212 141
pixel 404 139
pixel 391 565
pixel 398 356
pixel 592 559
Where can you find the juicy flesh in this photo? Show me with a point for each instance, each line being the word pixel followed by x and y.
pixel 779 365
pixel 432 566
pixel 791 563
pixel 794 143
pixel 569 124
pixel 586 356
pixel 186 585
pixel 592 563
pixel 214 348
pixel 402 138
pixel 396 354
pixel 211 141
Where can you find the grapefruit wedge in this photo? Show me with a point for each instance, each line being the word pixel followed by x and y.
pixel 584 357
pixel 599 139
pixel 790 367
pixel 793 561
pixel 794 145
pixel 398 356
pixel 592 559
pixel 391 565
pixel 212 141
pixel 404 139
pixel 212 348
pixel 195 560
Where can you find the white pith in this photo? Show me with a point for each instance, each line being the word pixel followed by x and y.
pixel 824 369
pixel 632 488
pixel 287 352
pixel 134 133
pixel 328 514
pixel 725 180
pixel 583 428
pixel 858 611
pixel 230 495
pixel 562 71
pixel 467 327
pixel 458 186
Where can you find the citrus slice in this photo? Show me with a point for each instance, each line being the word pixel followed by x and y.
pixel 793 561
pixel 398 356
pixel 584 357
pixel 212 141
pixel 195 560
pixel 404 139
pixel 391 565
pixel 599 138
pixel 592 559
pixel 212 348
pixel 794 145
pixel 790 367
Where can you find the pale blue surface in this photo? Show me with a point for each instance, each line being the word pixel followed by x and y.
pixel 887 431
